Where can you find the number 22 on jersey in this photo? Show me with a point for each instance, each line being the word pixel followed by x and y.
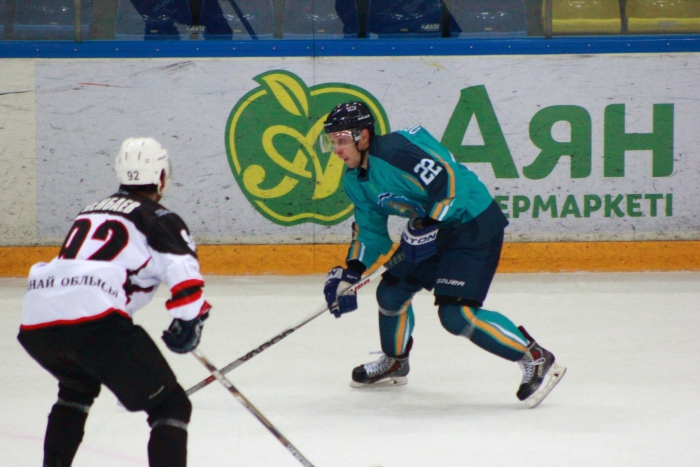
pixel 427 170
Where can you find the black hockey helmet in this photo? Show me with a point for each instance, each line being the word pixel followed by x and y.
pixel 349 116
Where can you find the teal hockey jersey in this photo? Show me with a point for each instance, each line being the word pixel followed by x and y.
pixel 410 174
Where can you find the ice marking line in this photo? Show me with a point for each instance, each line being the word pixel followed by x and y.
pixel 13 92
pixel 100 84
pixel 24 437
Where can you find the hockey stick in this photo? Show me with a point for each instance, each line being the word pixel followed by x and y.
pixel 244 20
pixel 251 408
pixel 322 309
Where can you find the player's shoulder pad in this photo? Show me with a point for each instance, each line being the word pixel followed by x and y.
pixel 167 218
pixel 385 146
pixel 165 231
pixel 175 229
pixel 405 154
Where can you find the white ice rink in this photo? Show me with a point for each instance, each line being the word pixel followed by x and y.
pixel 631 396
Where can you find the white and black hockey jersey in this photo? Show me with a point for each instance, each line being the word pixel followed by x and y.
pixel 113 259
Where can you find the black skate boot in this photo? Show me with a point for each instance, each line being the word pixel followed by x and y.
pixel 540 373
pixel 385 372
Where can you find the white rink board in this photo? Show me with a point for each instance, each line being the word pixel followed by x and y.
pixel 17 152
pixel 85 108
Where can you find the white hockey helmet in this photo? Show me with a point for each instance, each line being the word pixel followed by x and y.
pixel 141 161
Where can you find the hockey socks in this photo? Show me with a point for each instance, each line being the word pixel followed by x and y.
pixel 64 433
pixel 168 420
pixel 395 331
pixel 490 330
pixel 167 446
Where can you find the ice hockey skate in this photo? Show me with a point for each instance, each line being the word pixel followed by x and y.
pixel 540 373
pixel 385 372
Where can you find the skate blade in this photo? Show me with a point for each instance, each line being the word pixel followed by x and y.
pixel 552 378
pixel 384 383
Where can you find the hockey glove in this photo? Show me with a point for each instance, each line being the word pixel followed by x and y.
pixel 183 336
pixel 417 242
pixel 338 280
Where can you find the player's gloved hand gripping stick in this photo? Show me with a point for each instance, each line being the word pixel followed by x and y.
pixel 339 297
pixel 397 258
pixel 183 336
pixel 419 239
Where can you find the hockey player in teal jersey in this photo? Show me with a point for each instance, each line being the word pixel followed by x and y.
pixel 452 244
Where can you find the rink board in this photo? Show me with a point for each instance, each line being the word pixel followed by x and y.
pixel 582 153
pixel 516 258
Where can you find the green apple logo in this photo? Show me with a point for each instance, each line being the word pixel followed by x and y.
pixel 272 143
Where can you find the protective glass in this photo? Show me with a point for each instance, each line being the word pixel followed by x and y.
pixel 330 142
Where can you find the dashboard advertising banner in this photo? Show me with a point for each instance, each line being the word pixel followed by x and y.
pixel 599 147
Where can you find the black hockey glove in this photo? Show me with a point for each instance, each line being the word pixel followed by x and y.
pixel 418 242
pixel 184 336
pixel 340 279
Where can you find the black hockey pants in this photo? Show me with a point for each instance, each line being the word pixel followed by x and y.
pixel 114 352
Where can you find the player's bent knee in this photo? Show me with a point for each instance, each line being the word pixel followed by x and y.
pixel 453 320
pixel 85 395
pixel 392 300
pixel 174 410
pixel 80 401
pixel 388 312
pixel 167 446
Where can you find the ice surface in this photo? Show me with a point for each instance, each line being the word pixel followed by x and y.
pixel 631 396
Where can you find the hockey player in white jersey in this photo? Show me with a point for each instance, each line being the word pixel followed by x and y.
pixel 76 314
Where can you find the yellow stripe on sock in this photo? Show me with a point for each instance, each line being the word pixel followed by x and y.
pixel 401 329
pixel 401 342
pixel 492 330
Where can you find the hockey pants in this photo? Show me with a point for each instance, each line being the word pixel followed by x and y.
pixel 114 352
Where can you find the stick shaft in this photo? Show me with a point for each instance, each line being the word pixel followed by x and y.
pixel 319 311
pixel 251 408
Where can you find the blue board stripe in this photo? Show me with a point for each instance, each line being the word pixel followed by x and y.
pixel 350 47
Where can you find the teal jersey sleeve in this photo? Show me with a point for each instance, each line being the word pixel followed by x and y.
pixel 370 237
